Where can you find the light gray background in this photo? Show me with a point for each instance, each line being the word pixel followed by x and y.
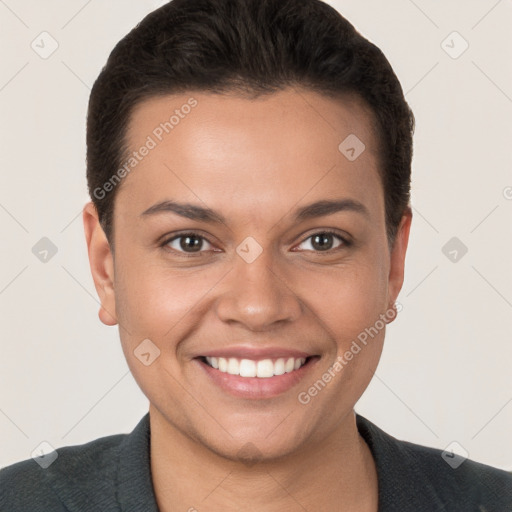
pixel 445 372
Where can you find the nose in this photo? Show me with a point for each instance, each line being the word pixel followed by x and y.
pixel 256 296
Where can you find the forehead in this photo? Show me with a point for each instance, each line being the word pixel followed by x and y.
pixel 265 151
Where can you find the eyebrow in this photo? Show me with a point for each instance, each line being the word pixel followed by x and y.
pixel 204 214
pixel 328 207
pixel 187 210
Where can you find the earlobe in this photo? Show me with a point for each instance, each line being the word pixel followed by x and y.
pixel 397 259
pixel 101 263
pixel 105 317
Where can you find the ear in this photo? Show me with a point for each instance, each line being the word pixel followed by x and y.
pixel 101 262
pixel 397 259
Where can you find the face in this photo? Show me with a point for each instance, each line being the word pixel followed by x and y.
pixel 250 259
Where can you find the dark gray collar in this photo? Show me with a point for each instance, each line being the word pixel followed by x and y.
pixel 135 488
pixel 402 484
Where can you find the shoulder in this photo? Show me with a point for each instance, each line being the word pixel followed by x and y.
pixel 428 478
pixel 39 485
pixel 455 476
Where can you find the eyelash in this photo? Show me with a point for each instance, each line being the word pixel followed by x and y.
pixel 345 242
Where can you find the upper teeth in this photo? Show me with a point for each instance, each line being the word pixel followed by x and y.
pixel 249 368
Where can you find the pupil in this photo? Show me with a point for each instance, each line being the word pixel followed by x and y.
pixel 322 241
pixel 191 242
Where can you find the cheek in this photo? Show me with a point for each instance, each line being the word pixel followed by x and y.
pixel 347 304
pixel 359 325
pixel 346 299
pixel 151 299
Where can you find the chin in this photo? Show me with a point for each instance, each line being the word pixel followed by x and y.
pixel 253 445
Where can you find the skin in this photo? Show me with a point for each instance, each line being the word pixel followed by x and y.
pixel 254 162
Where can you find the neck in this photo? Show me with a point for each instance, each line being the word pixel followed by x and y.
pixel 338 474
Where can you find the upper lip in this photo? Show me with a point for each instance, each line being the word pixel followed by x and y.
pixel 245 352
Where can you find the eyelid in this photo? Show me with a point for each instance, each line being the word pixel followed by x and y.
pixel 167 239
pixel 346 241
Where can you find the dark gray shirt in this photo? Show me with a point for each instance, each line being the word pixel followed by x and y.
pixel 114 474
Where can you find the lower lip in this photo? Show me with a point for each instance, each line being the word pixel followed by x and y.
pixel 255 387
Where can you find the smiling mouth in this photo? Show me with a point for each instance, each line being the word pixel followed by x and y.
pixel 261 368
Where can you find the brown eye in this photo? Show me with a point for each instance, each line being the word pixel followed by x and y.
pixel 322 242
pixel 189 243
